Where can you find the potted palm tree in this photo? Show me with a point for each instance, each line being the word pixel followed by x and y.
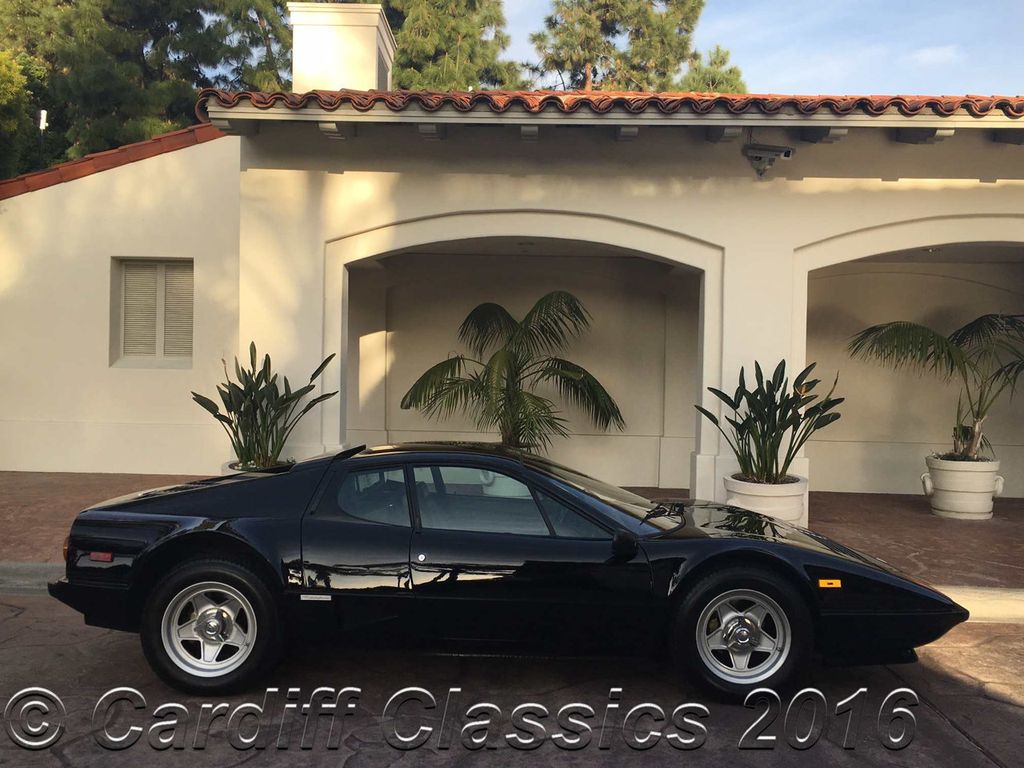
pixel 509 360
pixel 767 430
pixel 986 357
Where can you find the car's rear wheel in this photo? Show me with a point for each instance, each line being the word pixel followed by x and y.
pixel 741 629
pixel 210 626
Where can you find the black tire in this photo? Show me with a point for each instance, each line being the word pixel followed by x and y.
pixel 780 674
pixel 262 654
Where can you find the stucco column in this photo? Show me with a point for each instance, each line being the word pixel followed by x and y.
pixel 281 265
pixel 366 354
pixel 763 309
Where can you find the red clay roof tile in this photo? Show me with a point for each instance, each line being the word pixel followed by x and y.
pixel 112 158
pixel 602 102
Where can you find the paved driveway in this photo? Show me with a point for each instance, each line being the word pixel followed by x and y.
pixel 970 711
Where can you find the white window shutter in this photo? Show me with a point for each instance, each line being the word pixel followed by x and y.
pixel 178 287
pixel 139 309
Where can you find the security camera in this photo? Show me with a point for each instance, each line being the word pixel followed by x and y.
pixel 763 156
pixel 767 152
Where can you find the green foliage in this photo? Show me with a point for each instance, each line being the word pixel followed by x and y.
pixel 116 71
pixel 15 117
pixel 260 413
pixel 258 44
pixel 986 356
pixel 447 45
pixel 510 360
pixel 775 422
pixel 624 45
pixel 713 74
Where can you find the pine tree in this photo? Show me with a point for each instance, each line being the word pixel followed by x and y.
pixel 118 71
pixel 258 41
pixel 714 74
pixel 621 45
pixel 15 118
pixel 446 45
pixel 442 45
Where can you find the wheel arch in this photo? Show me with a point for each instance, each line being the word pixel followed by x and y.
pixel 748 558
pixel 198 545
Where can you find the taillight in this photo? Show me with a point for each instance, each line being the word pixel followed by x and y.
pixel 67 547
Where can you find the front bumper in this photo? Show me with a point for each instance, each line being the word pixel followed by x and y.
pixel 882 637
pixel 101 605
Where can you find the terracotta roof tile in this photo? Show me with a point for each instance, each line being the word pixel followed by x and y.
pixel 112 158
pixel 602 102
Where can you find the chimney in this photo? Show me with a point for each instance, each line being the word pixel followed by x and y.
pixel 339 46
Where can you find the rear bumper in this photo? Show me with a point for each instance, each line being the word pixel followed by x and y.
pixel 100 605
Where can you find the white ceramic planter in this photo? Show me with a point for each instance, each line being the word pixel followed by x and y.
pixel 962 489
pixel 786 501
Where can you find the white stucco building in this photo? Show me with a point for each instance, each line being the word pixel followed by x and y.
pixel 367 223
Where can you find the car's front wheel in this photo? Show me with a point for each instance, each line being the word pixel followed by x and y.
pixel 210 626
pixel 741 629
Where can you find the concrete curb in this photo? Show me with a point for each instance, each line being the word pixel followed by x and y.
pixel 1000 605
pixel 987 604
pixel 28 578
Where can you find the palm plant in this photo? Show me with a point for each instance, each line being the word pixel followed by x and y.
pixel 986 357
pixel 508 361
pixel 260 413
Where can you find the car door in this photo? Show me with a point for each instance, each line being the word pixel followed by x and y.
pixel 495 558
pixel 355 544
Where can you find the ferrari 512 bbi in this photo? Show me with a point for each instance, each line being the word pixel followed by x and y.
pixel 456 543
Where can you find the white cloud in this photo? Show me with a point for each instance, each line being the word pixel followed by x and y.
pixel 936 56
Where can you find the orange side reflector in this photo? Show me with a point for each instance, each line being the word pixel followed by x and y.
pixel 830 584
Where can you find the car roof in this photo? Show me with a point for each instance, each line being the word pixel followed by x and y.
pixel 496 450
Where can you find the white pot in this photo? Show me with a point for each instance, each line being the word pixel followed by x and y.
pixel 785 501
pixel 962 489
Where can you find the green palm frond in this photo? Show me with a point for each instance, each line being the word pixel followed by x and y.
pixel 988 330
pixel 497 392
pixel 487 325
pixel 555 320
pixel 536 422
pixel 579 387
pixel 424 390
pixel 901 344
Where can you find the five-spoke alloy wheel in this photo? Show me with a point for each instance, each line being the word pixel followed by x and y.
pixel 209 629
pixel 210 626
pixel 742 628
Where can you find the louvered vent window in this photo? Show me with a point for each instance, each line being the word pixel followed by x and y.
pixel 156 309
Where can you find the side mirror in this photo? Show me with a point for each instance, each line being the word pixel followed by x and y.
pixel 624 546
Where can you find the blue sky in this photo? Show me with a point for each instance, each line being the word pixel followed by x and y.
pixel 850 46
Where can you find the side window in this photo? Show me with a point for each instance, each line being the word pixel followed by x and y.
pixel 568 523
pixel 476 499
pixel 371 495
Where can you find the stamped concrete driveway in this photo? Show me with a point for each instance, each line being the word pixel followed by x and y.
pixel 970 711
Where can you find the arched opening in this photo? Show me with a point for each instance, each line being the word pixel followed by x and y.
pixel 399 310
pixel 893 419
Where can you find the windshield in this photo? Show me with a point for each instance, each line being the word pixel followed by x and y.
pixel 632 504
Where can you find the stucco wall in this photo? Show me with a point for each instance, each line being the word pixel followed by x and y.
pixel 275 220
pixel 652 375
pixel 892 420
pixel 64 407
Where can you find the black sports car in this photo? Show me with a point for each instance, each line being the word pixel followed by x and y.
pixel 462 542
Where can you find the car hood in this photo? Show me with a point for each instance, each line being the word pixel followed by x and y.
pixel 698 519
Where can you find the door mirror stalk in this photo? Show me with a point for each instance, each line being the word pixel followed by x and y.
pixel 624 546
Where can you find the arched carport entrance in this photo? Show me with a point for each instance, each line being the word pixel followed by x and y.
pixel 942 272
pixel 394 296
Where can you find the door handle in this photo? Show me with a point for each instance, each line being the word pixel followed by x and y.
pixel 421 557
